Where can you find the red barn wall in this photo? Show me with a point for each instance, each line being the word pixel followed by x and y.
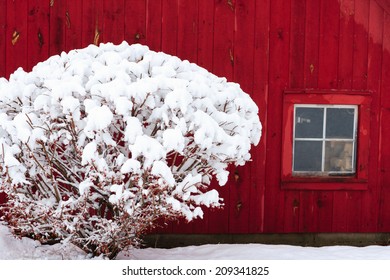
pixel 266 46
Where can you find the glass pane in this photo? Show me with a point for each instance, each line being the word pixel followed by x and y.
pixel 338 156
pixel 309 122
pixel 340 123
pixel 307 155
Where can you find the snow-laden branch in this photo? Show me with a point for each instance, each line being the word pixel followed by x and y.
pixel 99 143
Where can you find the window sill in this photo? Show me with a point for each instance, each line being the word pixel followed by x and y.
pixel 330 184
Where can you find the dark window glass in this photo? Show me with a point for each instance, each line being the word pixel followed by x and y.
pixel 307 155
pixel 309 122
pixel 340 123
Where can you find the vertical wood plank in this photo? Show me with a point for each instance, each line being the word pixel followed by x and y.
pixel 38 32
pixel 360 50
pixel 3 70
pixel 223 56
pixel 292 208
pixel 205 34
pixel 278 81
pixel 297 43
pixel 260 96
pixel 114 21
pixel 329 44
pixel 187 39
pixel 73 24
pixel 57 27
pixel 135 21
pixel 384 215
pixel 205 22
pixel 243 74
pixel 345 67
pixel 385 86
pixel 308 219
pixel 340 208
pixel 169 26
pixel 312 28
pixel 88 23
pixel 153 24
pixel 374 70
pixel 16 35
pixel 384 195
pixel 3 26
pixel 239 200
pixel 100 33
pixel 354 211
pixel 223 39
pixel 324 203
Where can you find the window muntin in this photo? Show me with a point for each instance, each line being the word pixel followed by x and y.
pixel 324 140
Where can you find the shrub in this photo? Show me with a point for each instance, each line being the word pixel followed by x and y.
pixel 99 143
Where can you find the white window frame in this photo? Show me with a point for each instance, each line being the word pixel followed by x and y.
pixel 324 140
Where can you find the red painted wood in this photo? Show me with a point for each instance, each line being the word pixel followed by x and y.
pixel 113 21
pixel 260 96
pixel 354 211
pixel 205 34
pixel 153 24
pixel 267 47
pixel 243 64
pixel 88 23
pixel 3 24
pixel 340 211
pixel 324 203
pixel 308 219
pixel 16 36
pixel 312 28
pixel 345 59
pixel 329 44
pixel 360 43
pixel 169 26
pixel 371 202
pixel 297 43
pixel 37 32
pixel 100 33
pixel 292 208
pixel 278 81
pixel 224 39
pixel 384 217
pixel 223 61
pixel 57 27
pixel 187 30
pixel 205 59
pixel 385 86
pixel 74 15
pixel 135 21
pixel 385 131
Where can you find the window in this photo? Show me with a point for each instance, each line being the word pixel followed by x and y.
pixel 325 140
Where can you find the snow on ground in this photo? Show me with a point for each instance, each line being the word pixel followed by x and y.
pixel 16 249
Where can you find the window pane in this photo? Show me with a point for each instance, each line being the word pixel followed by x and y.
pixel 309 122
pixel 307 155
pixel 338 156
pixel 340 123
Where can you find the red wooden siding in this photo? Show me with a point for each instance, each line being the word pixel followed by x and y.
pixel 266 46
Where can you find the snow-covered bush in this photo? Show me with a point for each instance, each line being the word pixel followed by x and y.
pixel 98 143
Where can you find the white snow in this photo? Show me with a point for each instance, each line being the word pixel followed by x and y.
pixel 128 118
pixel 25 248
pixel 89 153
pixel 98 119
